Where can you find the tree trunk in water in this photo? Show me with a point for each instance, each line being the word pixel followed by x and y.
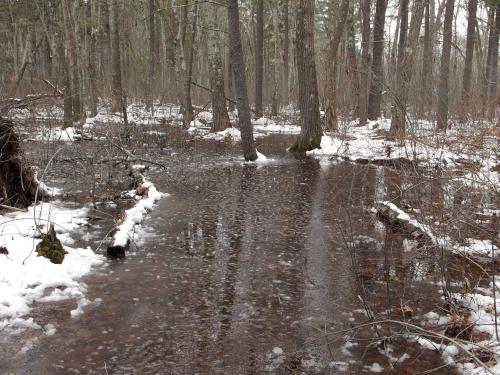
pixel 117 104
pixel 17 182
pixel 240 82
pixel 216 72
pixel 364 78
pixel 377 79
pixel 91 65
pixel 405 67
pixel 310 133
pixel 444 75
pixel 469 54
pixel 69 26
pixel 492 66
pixel 259 57
pixel 286 53
pixel 330 100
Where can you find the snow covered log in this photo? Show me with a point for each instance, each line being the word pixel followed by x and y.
pixel 392 215
pixel 17 183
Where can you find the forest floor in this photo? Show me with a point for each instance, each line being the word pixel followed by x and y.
pixel 281 267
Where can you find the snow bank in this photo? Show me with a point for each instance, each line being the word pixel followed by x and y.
pixel 135 215
pixel 25 277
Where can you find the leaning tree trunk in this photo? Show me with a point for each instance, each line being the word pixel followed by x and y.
pixel 310 133
pixel 17 182
pixel 216 72
pixel 444 77
pixel 240 82
pixel 375 97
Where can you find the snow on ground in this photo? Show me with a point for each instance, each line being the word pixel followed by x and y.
pixel 135 215
pixel 25 277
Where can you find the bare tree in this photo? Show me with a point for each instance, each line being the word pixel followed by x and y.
pixel 469 52
pixel 240 82
pixel 259 57
pixel 364 77
pixel 117 104
pixel 310 133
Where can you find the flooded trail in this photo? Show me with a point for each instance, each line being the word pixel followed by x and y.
pixel 242 269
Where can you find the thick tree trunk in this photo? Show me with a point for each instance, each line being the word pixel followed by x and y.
pixel 216 72
pixel 469 54
pixel 310 133
pixel 331 79
pixel 240 82
pixel 364 77
pixel 405 67
pixel 153 54
pixel 117 104
pixel 377 79
pixel 259 57
pixel 444 75
pixel 17 183
pixel 426 90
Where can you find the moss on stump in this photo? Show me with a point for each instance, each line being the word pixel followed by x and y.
pixel 50 247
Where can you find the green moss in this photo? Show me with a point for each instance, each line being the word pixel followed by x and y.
pixel 51 249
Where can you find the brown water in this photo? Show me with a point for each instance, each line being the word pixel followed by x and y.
pixel 240 260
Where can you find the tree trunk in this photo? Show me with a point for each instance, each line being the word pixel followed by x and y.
pixel 492 67
pixel 216 72
pixel 376 84
pixel 364 77
pixel 444 75
pixel 17 183
pixel 330 96
pixel 117 103
pixel 69 27
pixel 310 133
pixel 405 66
pixel 153 54
pixel 469 54
pixel 91 65
pixel 286 53
pixel 240 82
pixel 426 94
pixel 259 57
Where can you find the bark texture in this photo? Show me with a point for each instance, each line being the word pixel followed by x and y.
pixel 240 83
pixel 259 57
pixel 364 77
pixel 310 133
pixel 117 104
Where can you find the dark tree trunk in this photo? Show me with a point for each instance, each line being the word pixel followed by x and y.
pixel 17 182
pixel 117 104
pixel 259 57
pixel 310 133
pixel 426 94
pixel 91 65
pixel 469 54
pixel 286 53
pixel 240 82
pixel 153 53
pixel 377 79
pixel 492 67
pixel 444 75
pixel 364 78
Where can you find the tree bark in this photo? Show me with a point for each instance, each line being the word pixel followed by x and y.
pixel 310 133
pixel 153 53
pixel 364 77
pixel 426 94
pixel 492 67
pixel 117 103
pixel 91 65
pixel 469 54
pixel 286 53
pixel 330 96
pixel 444 75
pixel 376 84
pixel 259 57
pixel 237 61
pixel 216 72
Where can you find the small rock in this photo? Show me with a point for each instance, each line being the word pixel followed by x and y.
pixel 50 247
pixel 3 250
pixel 116 251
